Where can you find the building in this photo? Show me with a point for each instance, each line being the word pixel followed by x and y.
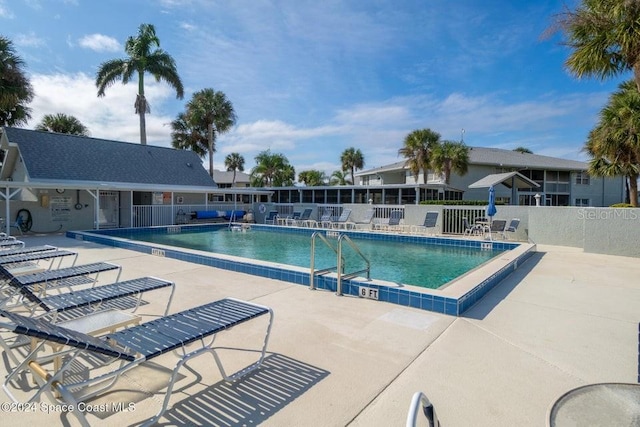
pixel 67 182
pixel 561 182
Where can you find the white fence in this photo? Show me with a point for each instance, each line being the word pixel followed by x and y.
pixel 155 215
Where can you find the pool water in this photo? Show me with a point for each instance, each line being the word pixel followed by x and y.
pixel 424 265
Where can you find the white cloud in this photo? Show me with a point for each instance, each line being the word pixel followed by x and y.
pixel 5 12
pixel 29 40
pixel 110 117
pixel 100 43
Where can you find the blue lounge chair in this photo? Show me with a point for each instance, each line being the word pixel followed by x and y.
pixel 511 228
pixel 393 223
pixel 367 221
pixel 56 278
pixel 342 221
pixel 9 261
pixel 126 350
pixel 304 217
pixel 271 218
pixel 429 223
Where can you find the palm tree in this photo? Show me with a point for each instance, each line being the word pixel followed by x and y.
pixel 523 150
pixel 351 160
pixel 15 89
pixel 614 144
pixel 603 37
pixel 417 149
pixel 145 56
pixel 234 162
pixel 450 156
pixel 272 170
pixel 339 178
pixel 185 136
pixel 62 123
pixel 312 178
pixel 210 110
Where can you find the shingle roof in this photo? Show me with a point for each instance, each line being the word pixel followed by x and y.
pixel 510 158
pixel 502 158
pixel 54 156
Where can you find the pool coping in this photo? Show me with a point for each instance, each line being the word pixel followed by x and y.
pixel 453 298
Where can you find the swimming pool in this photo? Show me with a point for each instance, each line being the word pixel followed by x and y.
pixel 454 298
pixel 412 263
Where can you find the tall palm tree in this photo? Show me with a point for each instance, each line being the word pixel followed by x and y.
pixel 271 170
pixel 210 110
pixel 15 89
pixel 417 149
pixel 450 156
pixel 603 36
pixel 339 178
pixel 351 160
pixel 614 144
pixel 145 56
pixel 62 123
pixel 234 162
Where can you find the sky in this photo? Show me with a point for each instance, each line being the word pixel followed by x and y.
pixel 309 79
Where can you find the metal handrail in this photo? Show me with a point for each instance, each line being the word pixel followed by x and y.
pixel 421 401
pixel 313 257
pixel 344 237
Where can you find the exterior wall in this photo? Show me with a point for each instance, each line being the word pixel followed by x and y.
pixel 600 191
pixel 45 216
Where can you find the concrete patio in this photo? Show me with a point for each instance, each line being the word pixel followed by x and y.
pixel 564 319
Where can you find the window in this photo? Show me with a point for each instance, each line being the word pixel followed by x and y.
pixel 582 178
pixel 582 202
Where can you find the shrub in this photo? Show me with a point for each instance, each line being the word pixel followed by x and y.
pixel 621 205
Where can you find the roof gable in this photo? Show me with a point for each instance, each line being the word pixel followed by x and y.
pixel 61 157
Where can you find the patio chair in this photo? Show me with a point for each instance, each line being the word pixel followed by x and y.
pixel 324 221
pixel 49 279
pixel 429 223
pixel 27 250
pixel 496 228
pixel 29 260
pixel 93 298
pixel 367 222
pixel 11 244
pixel 342 221
pixel 393 224
pixel 512 228
pixel 470 230
pixel 304 217
pixel 126 349
pixel 291 219
pixel 271 218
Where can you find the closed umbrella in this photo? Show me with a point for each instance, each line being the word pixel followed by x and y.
pixel 491 208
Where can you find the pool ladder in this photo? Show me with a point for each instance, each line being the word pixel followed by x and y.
pixel 340 267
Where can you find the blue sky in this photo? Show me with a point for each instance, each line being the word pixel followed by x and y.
pixel 311 78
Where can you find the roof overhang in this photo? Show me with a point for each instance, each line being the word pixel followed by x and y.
pixel 509 179
pixel 124 186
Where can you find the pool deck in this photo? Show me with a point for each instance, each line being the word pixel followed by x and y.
pixel 563 319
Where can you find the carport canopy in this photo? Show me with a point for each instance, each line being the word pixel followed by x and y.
pixel 509 179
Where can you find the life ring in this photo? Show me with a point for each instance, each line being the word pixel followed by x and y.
pixel 262 208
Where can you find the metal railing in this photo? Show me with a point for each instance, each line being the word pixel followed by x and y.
pixel 420 401
pixel 340 264
pixel 312 284
pixel 341 276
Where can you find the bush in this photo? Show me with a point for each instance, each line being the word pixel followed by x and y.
pixel 621 205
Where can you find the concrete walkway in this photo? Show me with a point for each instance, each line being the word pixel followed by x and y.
pixel 563 319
